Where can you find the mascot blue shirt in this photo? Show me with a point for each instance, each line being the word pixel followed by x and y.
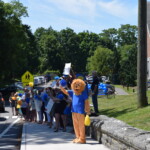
pixel 78 102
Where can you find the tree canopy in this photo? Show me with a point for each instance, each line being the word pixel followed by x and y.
pixel 47 49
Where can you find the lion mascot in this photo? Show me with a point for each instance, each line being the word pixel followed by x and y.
pixel 80 106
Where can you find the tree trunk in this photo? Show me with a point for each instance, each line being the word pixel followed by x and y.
pixel 142 54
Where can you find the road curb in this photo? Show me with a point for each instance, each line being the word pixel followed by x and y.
pixel 23 138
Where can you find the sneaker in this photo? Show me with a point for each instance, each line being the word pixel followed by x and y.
pixel 64 130
pixel 56 130
pixel 40 122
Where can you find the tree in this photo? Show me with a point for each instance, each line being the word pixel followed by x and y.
pixel 128 65
pixel 112 35
pixel 127 35
pixel 69 48
pixel 48 49
pixel 12 38
pixel 101 61
pixel 88 42
pixel 109 40
pixel 31 52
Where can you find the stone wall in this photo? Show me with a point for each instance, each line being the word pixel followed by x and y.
pixel 117 135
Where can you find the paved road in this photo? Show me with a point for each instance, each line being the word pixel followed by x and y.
pixel 120 91
pixel 41 137
pixel 10 131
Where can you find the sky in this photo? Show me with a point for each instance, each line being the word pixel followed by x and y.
pixel 80 15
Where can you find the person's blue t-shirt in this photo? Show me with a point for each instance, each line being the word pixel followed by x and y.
pixel 37 97
pixel 44 97
pixel 78 102
pixel 27 100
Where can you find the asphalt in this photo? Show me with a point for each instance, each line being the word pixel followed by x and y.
pixel 120 91
pixel 41 137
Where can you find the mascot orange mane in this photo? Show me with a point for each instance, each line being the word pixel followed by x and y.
pixel 80 106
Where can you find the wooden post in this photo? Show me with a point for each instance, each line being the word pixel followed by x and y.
pixel 142 54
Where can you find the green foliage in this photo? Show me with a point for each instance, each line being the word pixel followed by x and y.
pixel 101 61
pixel 12 38
pixel 128 63
pixel 48 49
pixel 17 46
pixel 127 35
pixel 52 72
pixel 110 38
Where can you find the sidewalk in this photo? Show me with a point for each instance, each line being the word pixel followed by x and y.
pixel 120 91
pixel 41 137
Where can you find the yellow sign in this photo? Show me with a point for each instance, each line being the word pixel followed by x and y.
pixel 26 78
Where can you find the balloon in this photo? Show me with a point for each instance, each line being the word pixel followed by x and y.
pixel 19 102
pixel 56 77
pixel 87 121
pixel 20 94
pixel 31 84
pixel 13 98
pixel 63 82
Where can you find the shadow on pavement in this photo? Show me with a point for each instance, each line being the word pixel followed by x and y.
pixel 42 134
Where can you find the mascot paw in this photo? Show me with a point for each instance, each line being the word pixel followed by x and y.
pixel 75 140
pixel 79 141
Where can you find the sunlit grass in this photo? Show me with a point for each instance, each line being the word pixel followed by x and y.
pixel 125 108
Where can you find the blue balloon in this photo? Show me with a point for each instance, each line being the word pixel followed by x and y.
pixel 63 82
pixel 20 94
pixel 56 77
pixel 89 85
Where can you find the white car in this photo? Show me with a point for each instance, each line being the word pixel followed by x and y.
pixel 42 79
pixel 89 78
pixel 37 81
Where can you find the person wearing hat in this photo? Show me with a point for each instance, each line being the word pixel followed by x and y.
pixel 57 79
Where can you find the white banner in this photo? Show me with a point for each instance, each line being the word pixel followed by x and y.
pixel 67 69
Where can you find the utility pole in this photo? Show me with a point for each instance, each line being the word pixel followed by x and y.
pixel 142 54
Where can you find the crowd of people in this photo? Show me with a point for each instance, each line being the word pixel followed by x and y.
pixel 47 104
pixel 42 106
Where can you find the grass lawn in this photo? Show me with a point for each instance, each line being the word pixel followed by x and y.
pixel 124 107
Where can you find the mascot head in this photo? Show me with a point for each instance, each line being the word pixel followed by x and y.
pixel 78 86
